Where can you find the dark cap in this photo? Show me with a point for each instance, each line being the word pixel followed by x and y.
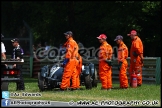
pixel 15 40
pixel 119 37
pixel 68 33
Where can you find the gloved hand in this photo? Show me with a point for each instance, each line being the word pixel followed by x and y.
pixel 119 65
pixel 109 62
pixel 66 60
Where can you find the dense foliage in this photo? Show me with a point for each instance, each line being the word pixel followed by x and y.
pixel 48 21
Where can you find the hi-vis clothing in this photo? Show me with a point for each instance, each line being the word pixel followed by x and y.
pixel 135 60
pixel 122 56
pixel 105 71
pixel 76 73
pixel 79 70
pixel 70 67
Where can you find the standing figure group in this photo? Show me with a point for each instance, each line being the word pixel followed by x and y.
pixel 136 60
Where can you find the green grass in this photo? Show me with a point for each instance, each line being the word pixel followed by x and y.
pixel 148 92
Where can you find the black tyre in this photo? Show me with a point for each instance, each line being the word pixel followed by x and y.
pixel 41 82
pixel 95 79
pixel 4 86
pixel 88 82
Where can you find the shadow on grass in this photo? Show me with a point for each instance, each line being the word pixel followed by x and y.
pixel 116 88
pixel 28 79
pixel 58 89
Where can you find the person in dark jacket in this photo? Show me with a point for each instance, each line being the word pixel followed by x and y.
pixel 17 54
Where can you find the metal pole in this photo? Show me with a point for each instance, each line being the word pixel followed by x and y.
pixel 31 48
pixel 158 70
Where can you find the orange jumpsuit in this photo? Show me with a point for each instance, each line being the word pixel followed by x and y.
pixel 75 76
pixel 79 70
pixel 122 56
pixel 70 67
pixel 105 71
pixel 135 60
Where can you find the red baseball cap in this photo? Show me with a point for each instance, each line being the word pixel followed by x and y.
pixel 102 36
pixel 133 32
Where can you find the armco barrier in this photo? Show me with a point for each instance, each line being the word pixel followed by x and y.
pixel 151 69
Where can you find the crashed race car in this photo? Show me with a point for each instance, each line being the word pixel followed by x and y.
pixel 50 76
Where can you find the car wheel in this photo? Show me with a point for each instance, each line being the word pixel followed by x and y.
pixel 95 80
pixel 41 82
pixel 4 86
pixel 88 82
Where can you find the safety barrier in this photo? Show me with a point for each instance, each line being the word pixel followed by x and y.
pixel 151 70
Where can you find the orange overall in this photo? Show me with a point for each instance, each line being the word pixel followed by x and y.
pixel 70 67
pixel 105 71
pixel 122 56
pixel 74 75
pixel 79 70
pixel 135 61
